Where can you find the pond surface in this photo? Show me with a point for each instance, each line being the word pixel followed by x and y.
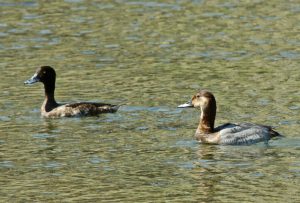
pixel 150 56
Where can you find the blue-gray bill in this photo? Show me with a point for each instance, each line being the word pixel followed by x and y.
pixel 186 105
pixel 32 80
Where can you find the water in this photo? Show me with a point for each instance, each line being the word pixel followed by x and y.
pixel 151 56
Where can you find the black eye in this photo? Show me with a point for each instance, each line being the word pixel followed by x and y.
pixel 198 96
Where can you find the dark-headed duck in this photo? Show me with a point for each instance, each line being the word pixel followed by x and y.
pixel 227 134
pixel 51 109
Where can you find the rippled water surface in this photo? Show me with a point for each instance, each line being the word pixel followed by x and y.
pixel 150 56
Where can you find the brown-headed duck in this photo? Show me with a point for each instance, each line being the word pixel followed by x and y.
pixel 51 109
pixel 227 134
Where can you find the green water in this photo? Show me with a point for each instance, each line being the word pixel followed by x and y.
pixel 151 56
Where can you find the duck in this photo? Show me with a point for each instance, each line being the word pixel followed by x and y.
pixel 51 109
pixel 229 133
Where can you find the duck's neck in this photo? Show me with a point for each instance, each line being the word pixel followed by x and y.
pixel 49 101
pixel 207 120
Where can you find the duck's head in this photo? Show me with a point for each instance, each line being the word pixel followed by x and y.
pixel 44 74
pixel 202 100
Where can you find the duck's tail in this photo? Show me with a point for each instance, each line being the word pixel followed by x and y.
pixel 115 108
pixel 273 133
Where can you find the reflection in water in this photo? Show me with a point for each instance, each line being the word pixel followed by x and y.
pixel 237 172
pixel 150 55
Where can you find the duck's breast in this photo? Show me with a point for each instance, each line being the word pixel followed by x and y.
pixel 61 111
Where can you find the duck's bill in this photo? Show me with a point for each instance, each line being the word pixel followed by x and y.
pixel 32 80
pixel 186 105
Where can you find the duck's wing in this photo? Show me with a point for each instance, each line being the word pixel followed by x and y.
pixel 244 133
pixel 90 108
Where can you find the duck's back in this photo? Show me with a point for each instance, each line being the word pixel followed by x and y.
pixel 91 109
pixel 245 133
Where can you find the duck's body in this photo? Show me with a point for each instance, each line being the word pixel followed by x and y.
pixel 78 110
pixel 227 134
pixel 51 109
pixel 237 134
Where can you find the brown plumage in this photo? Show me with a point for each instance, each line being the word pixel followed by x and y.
pixel 51 109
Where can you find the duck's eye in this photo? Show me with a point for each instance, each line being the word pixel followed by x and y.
pixel 198 96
